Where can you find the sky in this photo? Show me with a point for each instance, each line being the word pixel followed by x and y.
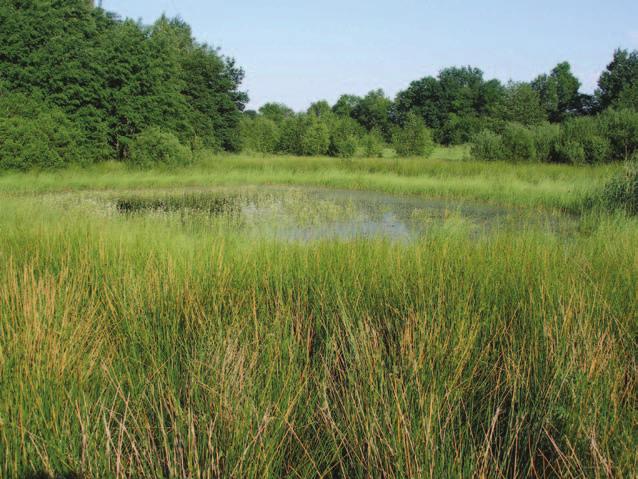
pixel 297 52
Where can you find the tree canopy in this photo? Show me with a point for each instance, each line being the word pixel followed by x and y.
pixel 115 78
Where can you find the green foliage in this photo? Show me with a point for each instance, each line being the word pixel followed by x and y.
pixel 581 142
pixel 487 145
pixel 276 112
pixel 622 191
pixel 559 92
pixel 315 137
pixel 522 104
pixel 620 127
pixel 546 137
pixel 518 143
pixel 618 84
pixel 260 134
pixel 114 79
pixel 454 104
pixel 344 137
pixel 373 112
pixel 47 140
pixel 154 147
pixel 304 135
pixel 413 138
pixel 373 144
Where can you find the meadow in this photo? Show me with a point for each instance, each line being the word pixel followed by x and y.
pixel 136 345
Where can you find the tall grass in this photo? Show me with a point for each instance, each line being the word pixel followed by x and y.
pixel 130 348
pixel 529 185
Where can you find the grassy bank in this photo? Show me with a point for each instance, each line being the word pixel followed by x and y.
pixel 446 175
pixel 135 348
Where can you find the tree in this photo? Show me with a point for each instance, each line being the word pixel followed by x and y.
pixel 559 92
pixel 320 109
pixel 413 139
pixel 618 84
pixel 373 111
pixel 276 112
pixel 346 104
pixel 114 79
pixel 454 104
pixel 522 104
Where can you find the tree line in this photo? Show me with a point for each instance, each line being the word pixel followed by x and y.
pixel 546 119
pixel 81 85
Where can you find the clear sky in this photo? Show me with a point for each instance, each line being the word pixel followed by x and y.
pixel 296 51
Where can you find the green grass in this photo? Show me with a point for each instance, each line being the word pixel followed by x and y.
pixel 524 184
pixel 137 348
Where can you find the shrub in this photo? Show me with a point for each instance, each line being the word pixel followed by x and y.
pixel 373 144
pixel 315 139
pixel 414 138
pixel 260 134
pixel 47 140
pixel 518 143
pixel 581 142
pixel 622 191
pixel 155 147
pixel 344 137
pixel 620 128
pixel 546 138
pixel 487 145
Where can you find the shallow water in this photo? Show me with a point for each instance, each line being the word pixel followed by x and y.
pixel 310 214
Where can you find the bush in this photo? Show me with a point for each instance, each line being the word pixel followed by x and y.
pixel 581 142
pixel 344 137
pixel 622 191
pixel 260 134
pixel 414 138
pixel 373 144
pixel 546 138
pixel 518 143
pixel 487 145
pixel 315 139
pixel 620 128
pixel 155 147
pixel 46 140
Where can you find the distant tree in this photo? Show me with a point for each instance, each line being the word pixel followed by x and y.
pixel 276 112
pixel 346 104
pixel 320 109
pixel 454 104
pixel 373 111
pixel 260 134
pixel 522 104
pixel 618 84
pixel 413 138
pixel 559 92
pixel 315 138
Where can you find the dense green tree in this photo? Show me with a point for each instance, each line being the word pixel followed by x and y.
pixel 522 104
pixel 260 134
pixel 413 138
pixel 115 79
pixel 373 112
pixel 620 127
pixel 559 92
pixel 618 84
pixel 320 109
pixel 155 147
pixel 454 104
pixel 346 104
pixel 276 112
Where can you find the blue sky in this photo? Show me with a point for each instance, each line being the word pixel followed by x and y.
pixel 297 52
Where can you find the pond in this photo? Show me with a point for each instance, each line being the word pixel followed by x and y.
pixel 309 214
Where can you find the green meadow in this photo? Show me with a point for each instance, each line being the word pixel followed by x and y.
pixel 179 342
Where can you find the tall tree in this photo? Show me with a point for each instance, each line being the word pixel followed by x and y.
pixel 559 92
pixel 618 84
